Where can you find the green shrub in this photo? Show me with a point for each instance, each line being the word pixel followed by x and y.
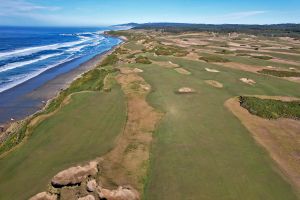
pixel 213 58
pixel 110 60
pixel 280 73
pixel 271 109
pixel 224 51
pixel 263 57
pixel 142 60
pixel 168 50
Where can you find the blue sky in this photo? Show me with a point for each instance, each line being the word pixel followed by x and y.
pixel 106 12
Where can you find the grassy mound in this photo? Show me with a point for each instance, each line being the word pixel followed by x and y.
pixel 213 58
pixel 143 60
pixel 271 109
pixel 280 73
pixel 263 57
pixel 170 50
pixel 224 51
pixel 110 60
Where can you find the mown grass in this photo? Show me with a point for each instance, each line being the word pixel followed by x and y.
pixel 90 81
pixel 271 109
pixel 280 73
pixel 195 155
pixel 82 130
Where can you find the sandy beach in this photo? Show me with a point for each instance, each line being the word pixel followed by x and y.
pixel 28 103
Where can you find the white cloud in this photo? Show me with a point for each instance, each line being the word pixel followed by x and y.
pixel 240 15
pixel 22 7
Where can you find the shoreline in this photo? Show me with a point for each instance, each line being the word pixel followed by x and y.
pixel 51 89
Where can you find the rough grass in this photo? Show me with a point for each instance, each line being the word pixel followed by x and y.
pixel 110 60
pixel 271 109
pixel 142 60
pixel 280 73
pixel 168 50
pixel 213 58
pixel 263 57
pixel 82 130
pixel 224 51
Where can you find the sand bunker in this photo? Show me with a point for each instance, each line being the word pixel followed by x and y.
pixel 212 70
pixel 185 90
pixel 248 81
pixel 270 67
pixel 214 83
pixel 173 64
pixel 137 70
pixel 44 196
pixel 122 193
pixel 182 71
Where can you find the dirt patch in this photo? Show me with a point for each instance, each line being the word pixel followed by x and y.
pixel 192 56
pixel 247 81
pixel 214 83
pixel 280 138
pixel 212 70
pixel 182 71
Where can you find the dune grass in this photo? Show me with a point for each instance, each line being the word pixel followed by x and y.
pixel 263 57
pixel 142 60
pixel 213 58
pixel 271 109
pixel 170 50
pixel 280 73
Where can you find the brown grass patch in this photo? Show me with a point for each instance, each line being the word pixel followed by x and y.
pixel 127 163
pixel 280 138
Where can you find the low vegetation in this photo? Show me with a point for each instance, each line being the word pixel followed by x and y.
pixel 271 109
pixel 168 50
pixel 213 58
pixel 280 73
pixel 224 51
pixel 143 60
pixel 263 57
pixel 110 60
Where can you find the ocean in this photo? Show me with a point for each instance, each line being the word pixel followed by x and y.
pixel 27 52
pixel 32 56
